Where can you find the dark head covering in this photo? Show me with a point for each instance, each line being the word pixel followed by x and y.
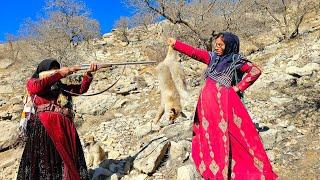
pixel 232 46
pixel 45 65
pixel 231 41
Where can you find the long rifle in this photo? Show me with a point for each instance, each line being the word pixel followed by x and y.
pixel 105 65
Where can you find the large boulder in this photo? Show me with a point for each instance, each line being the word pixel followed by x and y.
pixel 149 159
pixel 94 105
pixel 9 134
pixel 306 70
pixel 178 150
pixel 269 138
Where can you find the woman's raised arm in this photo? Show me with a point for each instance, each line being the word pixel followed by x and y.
pixel 195 53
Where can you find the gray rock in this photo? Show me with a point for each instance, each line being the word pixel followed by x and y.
pixel 140 81
pixel 15 100
pixel 149 159
pixel 310 67
pixel 113 154
pixel 143 130
pixel 95 105
pixel 188 172
pixel 271 155
pixel 9 134
pixel 16 108
pixel 5 63
pixel 178 131
pixel 114 177
pixel 2 101
pixel 269 138
pixel 120 103
pixel 280 100
pixel 291 128
pixel 150 114
pixel 304 71
pixel 6 89
pixel 179 149
pixel 138 177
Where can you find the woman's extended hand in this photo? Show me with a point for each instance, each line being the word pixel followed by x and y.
pixel 236 89
pixel 65 71
pixel 171 41
pixel 93 68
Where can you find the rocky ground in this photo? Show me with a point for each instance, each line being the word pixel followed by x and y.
pixel 284 103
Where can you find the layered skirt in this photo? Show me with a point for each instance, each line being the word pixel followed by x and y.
pixel 225 143
pixel 55 155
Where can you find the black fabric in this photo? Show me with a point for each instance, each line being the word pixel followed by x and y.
pixel 41 160
pixel 232 43
pixel 232 46
pixel 45 65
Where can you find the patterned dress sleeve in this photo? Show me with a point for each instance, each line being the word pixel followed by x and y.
pixel 195 53
pixel 36 86
pixel 83 87
pixel 252 73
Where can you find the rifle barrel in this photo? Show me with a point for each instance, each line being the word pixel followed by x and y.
pixel 86 66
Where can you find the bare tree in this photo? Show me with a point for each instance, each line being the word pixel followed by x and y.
pixel 288 14
pixel 66 25
pixel 122 29
pixel 198 21
pixel 13 47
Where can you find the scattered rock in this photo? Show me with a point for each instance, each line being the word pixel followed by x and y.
pixel 5 63
pixel 143 130
pixel 6 89
pixel 149 159
pixel 179 149
pixel 113 154
pixel 188 172
pixel 269 138
pixel 9 134
pixel 5 116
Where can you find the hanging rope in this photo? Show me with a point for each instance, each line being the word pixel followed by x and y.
pixel 94 94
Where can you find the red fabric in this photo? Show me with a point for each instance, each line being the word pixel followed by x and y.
pixel 252 71
pixel 60 129
pixel 225 139
pixel 252 74
pixel 195 53
pixel 223 129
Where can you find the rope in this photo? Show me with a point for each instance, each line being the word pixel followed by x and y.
pixel 94 94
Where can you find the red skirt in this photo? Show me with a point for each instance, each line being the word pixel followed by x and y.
pixel 53 150
pixel 225 143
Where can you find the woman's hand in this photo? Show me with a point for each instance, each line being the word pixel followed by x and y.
pixel 236 89
pixel 65 71
pixel 93 67
pixel 171 41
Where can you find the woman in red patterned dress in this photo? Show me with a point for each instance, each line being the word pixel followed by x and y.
pixel 225 143
pixel 53 149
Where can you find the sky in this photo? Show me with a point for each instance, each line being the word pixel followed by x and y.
pixel 14 12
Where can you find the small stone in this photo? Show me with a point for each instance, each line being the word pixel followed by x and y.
pixel 187 172
pixel 113 154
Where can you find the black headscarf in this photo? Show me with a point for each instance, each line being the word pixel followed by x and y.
pixel 45 65
pixel 232 43
pixel 232 46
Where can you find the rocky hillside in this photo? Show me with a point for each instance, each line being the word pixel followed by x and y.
pixel 284 103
